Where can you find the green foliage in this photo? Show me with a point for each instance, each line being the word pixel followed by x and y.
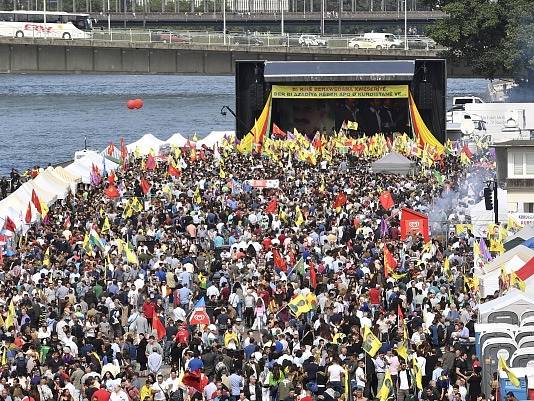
pixel 495 38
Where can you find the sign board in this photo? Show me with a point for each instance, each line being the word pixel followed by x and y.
pixel 523 218
pixel 264 183
pixel 339 91
pixel 413 223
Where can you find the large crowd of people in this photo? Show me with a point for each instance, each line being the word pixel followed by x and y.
pixel 107 297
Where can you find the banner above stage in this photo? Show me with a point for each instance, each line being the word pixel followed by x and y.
pixel 339 91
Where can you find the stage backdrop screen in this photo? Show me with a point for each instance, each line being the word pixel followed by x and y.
pixel 311 108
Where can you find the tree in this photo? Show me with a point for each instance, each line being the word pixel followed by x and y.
pixel 494 37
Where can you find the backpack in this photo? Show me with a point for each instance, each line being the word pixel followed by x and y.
pixel 20 364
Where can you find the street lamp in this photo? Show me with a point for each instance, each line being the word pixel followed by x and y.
pixel 224 21
pixel 405 24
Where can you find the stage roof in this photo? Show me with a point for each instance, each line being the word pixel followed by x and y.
pixel 339 71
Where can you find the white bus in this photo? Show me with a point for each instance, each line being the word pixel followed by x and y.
pixel 39 24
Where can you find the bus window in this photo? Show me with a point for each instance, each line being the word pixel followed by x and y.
pixel 21 17
pixel 36 18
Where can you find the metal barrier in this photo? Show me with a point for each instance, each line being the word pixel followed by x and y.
pixel 256 40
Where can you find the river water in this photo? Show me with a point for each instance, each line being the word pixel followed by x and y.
pixel 44 118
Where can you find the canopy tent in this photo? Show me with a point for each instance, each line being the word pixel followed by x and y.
pixel 83 167
pixel 506 309
pixel 394 163
pixel 215 137
pixel 481 218
pixel 52 183
pixel 177 140
pixel 519 237
pixel 145 144
pixel 510 261
pixel 71 179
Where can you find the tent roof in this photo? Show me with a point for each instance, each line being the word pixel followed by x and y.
pixel 393 158
pixel 177 139
pixel 145 143
pixel 511 297
pixel 214 137
pixel 527 270
pixel 66 176
pixel 520 251
pixel 525 233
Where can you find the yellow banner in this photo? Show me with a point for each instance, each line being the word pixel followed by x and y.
pixel 338 91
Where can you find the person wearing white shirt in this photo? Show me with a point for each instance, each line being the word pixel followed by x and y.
pixel 118 394
pixel 159 394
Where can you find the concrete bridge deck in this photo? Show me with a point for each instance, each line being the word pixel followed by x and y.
pixel 45 55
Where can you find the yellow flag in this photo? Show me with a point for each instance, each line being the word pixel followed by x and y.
pixel 418 373
pixel 4 356
pixel 299 305
pixel 131 256
pixel 222 174
pixel 371 344
pixel 196 196
pixel 511 376
pixel 44 209
pixel 10 318
pixel 137 206
pixel 387 387
pixel 447 267
pixel 299 218
pixel 402 349
pixel 46 260
pixel 516 282
pixel 106 226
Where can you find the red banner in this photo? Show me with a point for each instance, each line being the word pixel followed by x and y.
pixel 413 222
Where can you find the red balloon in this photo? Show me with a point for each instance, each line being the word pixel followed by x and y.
pixel 138 103
pixel 131 104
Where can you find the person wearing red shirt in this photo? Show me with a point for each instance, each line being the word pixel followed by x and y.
pixel 374 298
pixel 266 243
pixel 101 394
pixel 149 309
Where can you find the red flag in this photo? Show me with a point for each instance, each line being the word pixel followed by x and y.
pixel 313 276
pixel 467 152
pixel 272 206
pixel 111 149
pixel 36 202
pixel 111 192
pixel 124 150
pixel 277 132
pixel 159 327
pixel 111 178
pixel 28 218
pixel 279 260
pixel 173 171
pixel 390 264
pixel 145 185
pixel 400 314
pixel 341 199
pixel 150 162
pixel 196 380
pixel 1 256
pixel 413 223
pixel 67 224
pixel 386 200
pixel 10 225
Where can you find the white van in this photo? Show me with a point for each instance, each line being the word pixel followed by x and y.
pixel 387 40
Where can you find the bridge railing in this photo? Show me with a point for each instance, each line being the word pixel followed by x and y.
pixel 259 39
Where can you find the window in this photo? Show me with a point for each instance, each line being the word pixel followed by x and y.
pixel 518 163
pixel 528 207
pixel 529 161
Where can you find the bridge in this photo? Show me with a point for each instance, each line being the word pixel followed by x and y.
pixel 46 55
pixel 292 20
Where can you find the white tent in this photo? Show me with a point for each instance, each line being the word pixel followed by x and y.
pixel 71 179
pixel 511 261
pixel 52 183
pixel 215 137
pixel 177 140
pixel 506 309
pixel 481 218
pixel 83 167
pixel 145 144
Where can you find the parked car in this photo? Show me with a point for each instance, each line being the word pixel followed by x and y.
pixel 169 37
pixel 311 40
pixel 248 40
pixel 365 43
pixel 421 43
